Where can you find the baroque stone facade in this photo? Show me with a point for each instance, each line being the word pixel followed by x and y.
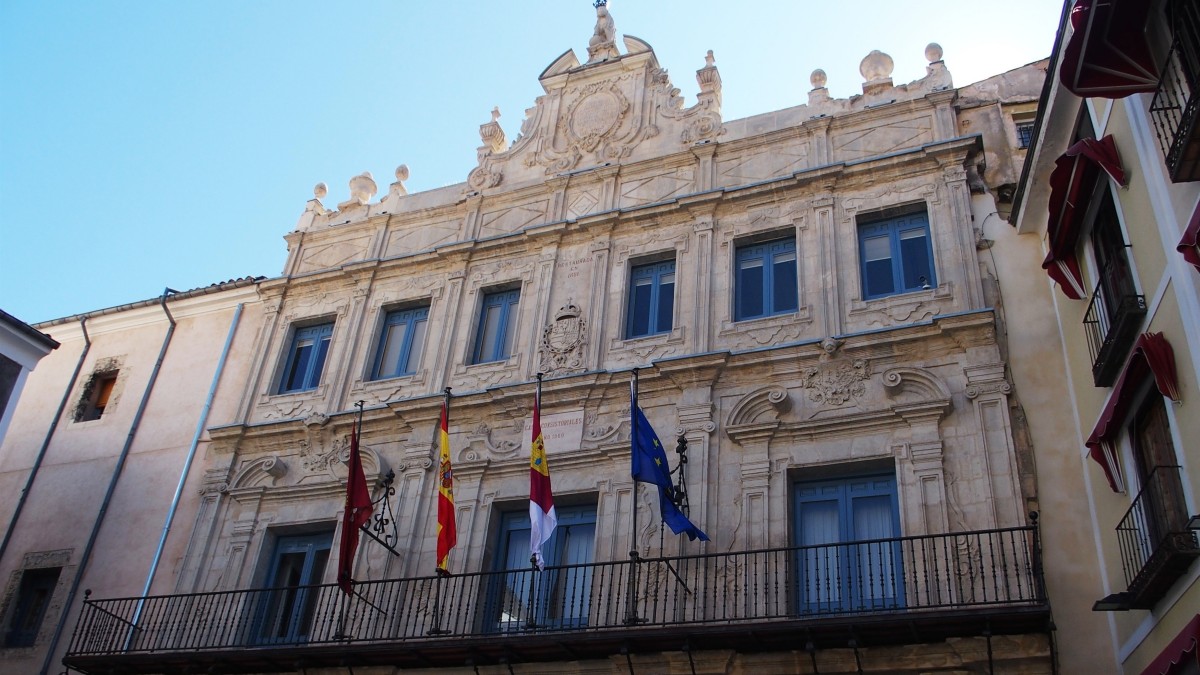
pixel 767 337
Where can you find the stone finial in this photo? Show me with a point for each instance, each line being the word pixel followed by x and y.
pixel 603 45
pixel 492 134
pixel 320 190
pixel 362 188
pixel 876 67
pixel 709 78
pixel 818 79
pixel 398 188
pixel 933 52
pixel 708 59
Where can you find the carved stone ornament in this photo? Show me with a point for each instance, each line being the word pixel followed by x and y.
pixel 564 340
pixel 603 44
pixel 836 384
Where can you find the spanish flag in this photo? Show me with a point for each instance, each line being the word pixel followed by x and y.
pixel 447 535
pixel 542 518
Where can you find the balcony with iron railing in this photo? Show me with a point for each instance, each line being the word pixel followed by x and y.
pixel 879 592
pixel 1111 323
pixel 1156 544
pixel 1176 105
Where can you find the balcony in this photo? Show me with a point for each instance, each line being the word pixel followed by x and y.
pixel 1175 105
pixel 903 590
pixel 1156 545
pixel 1111 324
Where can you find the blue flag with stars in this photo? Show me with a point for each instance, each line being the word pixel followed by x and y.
pixel 650 466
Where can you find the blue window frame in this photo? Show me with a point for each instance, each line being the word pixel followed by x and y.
pixel 766 282
pixel 848 556
pixel 651 299
pixel 896 255
pixel 557 597
pixel 400 342
pixel 285 612
pixel 306 358
pixel 494 339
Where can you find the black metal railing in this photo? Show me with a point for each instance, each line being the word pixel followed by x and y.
pixel 1112 321
pixel 904 575
pixel 1155 542
pixel 1175 104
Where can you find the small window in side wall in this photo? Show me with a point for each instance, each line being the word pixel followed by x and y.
pixel 306 358
pixel 400 342
pixel 651 299
pixel 896 255
pixel 497 319
pixel 765 279
pixel 97 396
pixel 33 597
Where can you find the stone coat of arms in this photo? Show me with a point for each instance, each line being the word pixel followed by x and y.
pixel 564 340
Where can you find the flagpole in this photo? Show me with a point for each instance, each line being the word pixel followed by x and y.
pixel 631 615
pixel 356 433
pixel 537 408
pixel 441 573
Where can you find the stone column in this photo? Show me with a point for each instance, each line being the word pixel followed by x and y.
pixel 988 390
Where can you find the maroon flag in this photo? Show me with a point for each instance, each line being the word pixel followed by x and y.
pixel 358 512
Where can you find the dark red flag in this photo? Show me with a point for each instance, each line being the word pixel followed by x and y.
pixel 358 512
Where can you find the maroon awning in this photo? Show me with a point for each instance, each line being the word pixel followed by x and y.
pixel 1071 186
pixel 1189 245
pixel 1152 356
pixel 1108 55
pixel 1182 651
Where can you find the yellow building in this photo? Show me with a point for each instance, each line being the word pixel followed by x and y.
pixel 1110 189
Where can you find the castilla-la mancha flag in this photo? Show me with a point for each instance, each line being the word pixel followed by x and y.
pixel 447 535
pixel 542 518
pixel 358 512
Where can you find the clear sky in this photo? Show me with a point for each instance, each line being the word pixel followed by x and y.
pixel 154 144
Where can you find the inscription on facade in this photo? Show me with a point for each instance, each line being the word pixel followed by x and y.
pixel 562 432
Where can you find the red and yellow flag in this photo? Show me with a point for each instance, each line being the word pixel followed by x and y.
pixel 542 518
pixel 447 535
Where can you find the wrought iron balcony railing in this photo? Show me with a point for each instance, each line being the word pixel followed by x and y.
pixel 1175 105
pixel 1111 324
pixel 904 580
pixel 1156 545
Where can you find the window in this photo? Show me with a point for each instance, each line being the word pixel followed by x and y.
pixel 651 299
pixel 1114 315
pixel 400 343
pixel 96 396
pixel 834 575
pixel 33 597
pixel 1024 133
pixel 557 597
pixel 897 256
pixel 306 358
pixel 285 612
pixel 766 279
pixel 494 339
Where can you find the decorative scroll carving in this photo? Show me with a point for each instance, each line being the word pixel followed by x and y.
pixel 259 472
pixel 923 384
pixel 836 384
pixel 761 405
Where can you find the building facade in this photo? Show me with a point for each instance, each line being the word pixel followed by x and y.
pixel 812 305
pixel 1110 190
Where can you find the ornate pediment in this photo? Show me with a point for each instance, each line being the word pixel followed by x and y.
pixel 613 108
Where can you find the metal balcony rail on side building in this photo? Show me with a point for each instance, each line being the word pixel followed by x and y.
pixel 1175 105
pixel 1111 322
pixel 1156 544
pixel 883 591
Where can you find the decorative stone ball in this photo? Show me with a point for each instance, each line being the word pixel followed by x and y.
pixel 320 190
pixel 362 186
pixel 933 52
pixel 818 79
pixel 402 173
pixel 876 66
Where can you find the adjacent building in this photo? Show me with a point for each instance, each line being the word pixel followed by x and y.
pixel 826 315
pixel 1110 190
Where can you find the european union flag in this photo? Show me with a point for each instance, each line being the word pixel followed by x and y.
pixel 650 466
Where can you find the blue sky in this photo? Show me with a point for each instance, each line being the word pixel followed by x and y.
pixel 154 144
